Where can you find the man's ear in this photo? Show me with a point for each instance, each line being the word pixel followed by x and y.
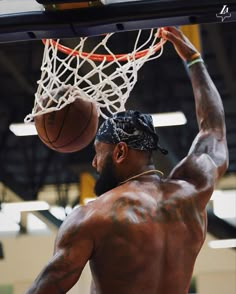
pixel 120 152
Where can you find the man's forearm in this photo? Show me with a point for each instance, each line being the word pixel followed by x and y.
pixel 209 108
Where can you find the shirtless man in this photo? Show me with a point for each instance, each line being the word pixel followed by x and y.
pixel 143 234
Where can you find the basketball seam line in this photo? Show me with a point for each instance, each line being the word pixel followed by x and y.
pixel 88 122
pixel 44 124
pixel 60 130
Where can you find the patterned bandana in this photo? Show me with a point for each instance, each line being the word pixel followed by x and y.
pixel 133 128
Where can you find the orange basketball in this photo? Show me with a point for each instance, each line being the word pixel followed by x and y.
pixel 70 129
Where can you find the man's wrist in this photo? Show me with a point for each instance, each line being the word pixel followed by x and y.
pixel 195 55
pixel 197 60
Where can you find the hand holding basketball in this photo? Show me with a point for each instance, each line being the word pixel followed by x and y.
pixel 183 46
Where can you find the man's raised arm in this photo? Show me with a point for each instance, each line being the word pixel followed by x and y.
pixel 208 156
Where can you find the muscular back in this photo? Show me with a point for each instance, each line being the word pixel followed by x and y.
pixel 150 237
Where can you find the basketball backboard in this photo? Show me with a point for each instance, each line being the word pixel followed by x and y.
pixel 31 19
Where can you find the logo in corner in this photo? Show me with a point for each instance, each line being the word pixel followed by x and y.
pixel 224 13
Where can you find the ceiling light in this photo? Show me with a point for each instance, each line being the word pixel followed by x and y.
pixel 159 120
pixel 34 224
pixel 23 129
pixel 219 244
pixel 58 212
pixel 224 203
pixel 169 119
pixel 24 206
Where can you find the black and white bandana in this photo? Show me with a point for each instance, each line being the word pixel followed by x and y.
pixel 132 127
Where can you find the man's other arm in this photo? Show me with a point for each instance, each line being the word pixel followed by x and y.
pixel 73 248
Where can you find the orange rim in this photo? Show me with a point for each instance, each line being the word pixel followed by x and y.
pixel 101 57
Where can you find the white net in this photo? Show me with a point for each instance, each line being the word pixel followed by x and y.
pixel 105 79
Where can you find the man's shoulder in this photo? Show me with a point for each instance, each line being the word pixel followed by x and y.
pixel 100 210
pixel 95 211
pixel 177 188
pixel 82 223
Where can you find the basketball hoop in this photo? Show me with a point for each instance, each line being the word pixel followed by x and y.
pixel 100 76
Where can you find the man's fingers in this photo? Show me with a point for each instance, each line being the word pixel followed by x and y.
pixel 182 45
pixel 168 35
pixel 172 34
pixel 174 30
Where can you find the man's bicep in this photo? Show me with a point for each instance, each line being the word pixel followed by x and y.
pixel 58 276
pixel 213 144
pixel 205 162
pixel 73 248
pixel 63 270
